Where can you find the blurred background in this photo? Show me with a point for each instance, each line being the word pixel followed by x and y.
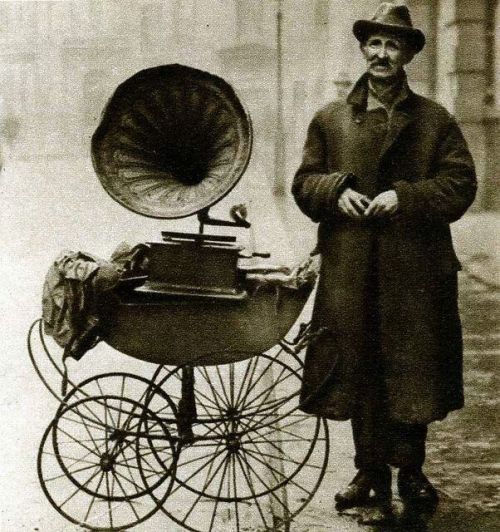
pixel 60 62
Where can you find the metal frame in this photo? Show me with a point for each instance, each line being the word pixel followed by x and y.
pixel 115 444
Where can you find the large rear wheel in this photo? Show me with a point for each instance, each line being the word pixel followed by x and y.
pixel 255 460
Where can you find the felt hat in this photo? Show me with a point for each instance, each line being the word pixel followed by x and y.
pixel 394 19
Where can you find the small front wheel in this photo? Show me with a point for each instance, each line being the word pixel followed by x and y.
pixel 92 458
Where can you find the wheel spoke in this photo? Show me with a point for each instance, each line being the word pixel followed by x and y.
pixel 126 496
pixel 250 428
pixel 208 481
pixel 88 431
pixel 192 460
pixel 254 384
pixel 78 489
pixel 210 417
pixel 110 511
pixel 72 472
pixel 92 413
pixel 267 392
pixel 75 460
pixel 268 488
pixel 211 428
pixel 214 406
pixel 126 464
pixel 125 461
pixel 106 422
pixel 235 491
pixel 93 499
pixel 122 394
pixel 210 458
pixel 219 400
pixel 106 405
pixel 149 465
pixel 78 422
pixel 285 458
pixel 275 382
pixel 231 385
pixel 63 442
pixel 217 498
pixel 274 470
pixel 252 489
pixel 243 394
pixel 91 451
pixel 286 440
pixel 243 381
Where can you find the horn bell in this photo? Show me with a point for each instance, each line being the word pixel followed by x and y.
pixel 172 141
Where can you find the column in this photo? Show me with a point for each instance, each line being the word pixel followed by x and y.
pixel 422 69
pixel 461 74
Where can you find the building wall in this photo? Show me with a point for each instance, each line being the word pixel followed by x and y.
pixel 62 60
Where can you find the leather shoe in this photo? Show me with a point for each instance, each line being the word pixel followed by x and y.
pixel 358 491
pixel 379 514
pixel 414 488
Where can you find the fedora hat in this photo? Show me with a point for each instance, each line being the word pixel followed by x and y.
pixel 394 19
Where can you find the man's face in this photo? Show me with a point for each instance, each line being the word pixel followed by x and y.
pixel 385 55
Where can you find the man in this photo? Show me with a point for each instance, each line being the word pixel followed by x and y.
pixel 385 173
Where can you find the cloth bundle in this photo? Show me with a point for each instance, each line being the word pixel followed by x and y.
pixel 73 287
pixel 302 275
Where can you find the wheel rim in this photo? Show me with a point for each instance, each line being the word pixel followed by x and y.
pixel 89 479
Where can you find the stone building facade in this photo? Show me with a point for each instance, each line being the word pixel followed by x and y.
pixel 62 60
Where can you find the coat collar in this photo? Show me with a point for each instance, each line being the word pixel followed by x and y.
pixel 401 116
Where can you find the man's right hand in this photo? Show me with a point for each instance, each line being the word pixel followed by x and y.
pixel 352 203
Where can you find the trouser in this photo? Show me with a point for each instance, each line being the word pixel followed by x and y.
pixel 378 440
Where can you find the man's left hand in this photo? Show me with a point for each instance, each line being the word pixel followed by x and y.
pixel 384 204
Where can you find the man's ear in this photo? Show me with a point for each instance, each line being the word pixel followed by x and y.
pixel 409 55
pixel 409 52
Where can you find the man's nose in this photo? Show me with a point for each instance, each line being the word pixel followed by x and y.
pixel 382 52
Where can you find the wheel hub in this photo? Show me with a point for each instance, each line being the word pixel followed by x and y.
pixel 232 412
pixel 118 435
pixel 107 462
pixel 233 443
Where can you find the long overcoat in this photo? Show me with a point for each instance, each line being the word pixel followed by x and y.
pixel 421 154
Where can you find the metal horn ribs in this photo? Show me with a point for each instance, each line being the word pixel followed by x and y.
pixel 173 140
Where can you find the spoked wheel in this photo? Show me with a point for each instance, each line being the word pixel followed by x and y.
pixel 259 481
pixel 94 456
pixel 255 461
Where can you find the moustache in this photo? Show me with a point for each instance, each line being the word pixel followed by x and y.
pixel 380 62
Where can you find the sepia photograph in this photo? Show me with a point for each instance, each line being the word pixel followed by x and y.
pixel 250 272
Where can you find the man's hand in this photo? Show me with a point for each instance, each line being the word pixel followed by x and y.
pixel 352 203
pixel 384 204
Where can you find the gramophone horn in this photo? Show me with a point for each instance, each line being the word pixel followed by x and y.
pixel 172 141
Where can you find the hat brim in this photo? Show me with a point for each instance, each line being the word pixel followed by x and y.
pixel 362 29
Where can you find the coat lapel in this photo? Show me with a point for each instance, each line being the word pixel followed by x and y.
pixel 402 115
pixel 400 120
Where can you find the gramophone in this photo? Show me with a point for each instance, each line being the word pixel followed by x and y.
pixel 172 142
